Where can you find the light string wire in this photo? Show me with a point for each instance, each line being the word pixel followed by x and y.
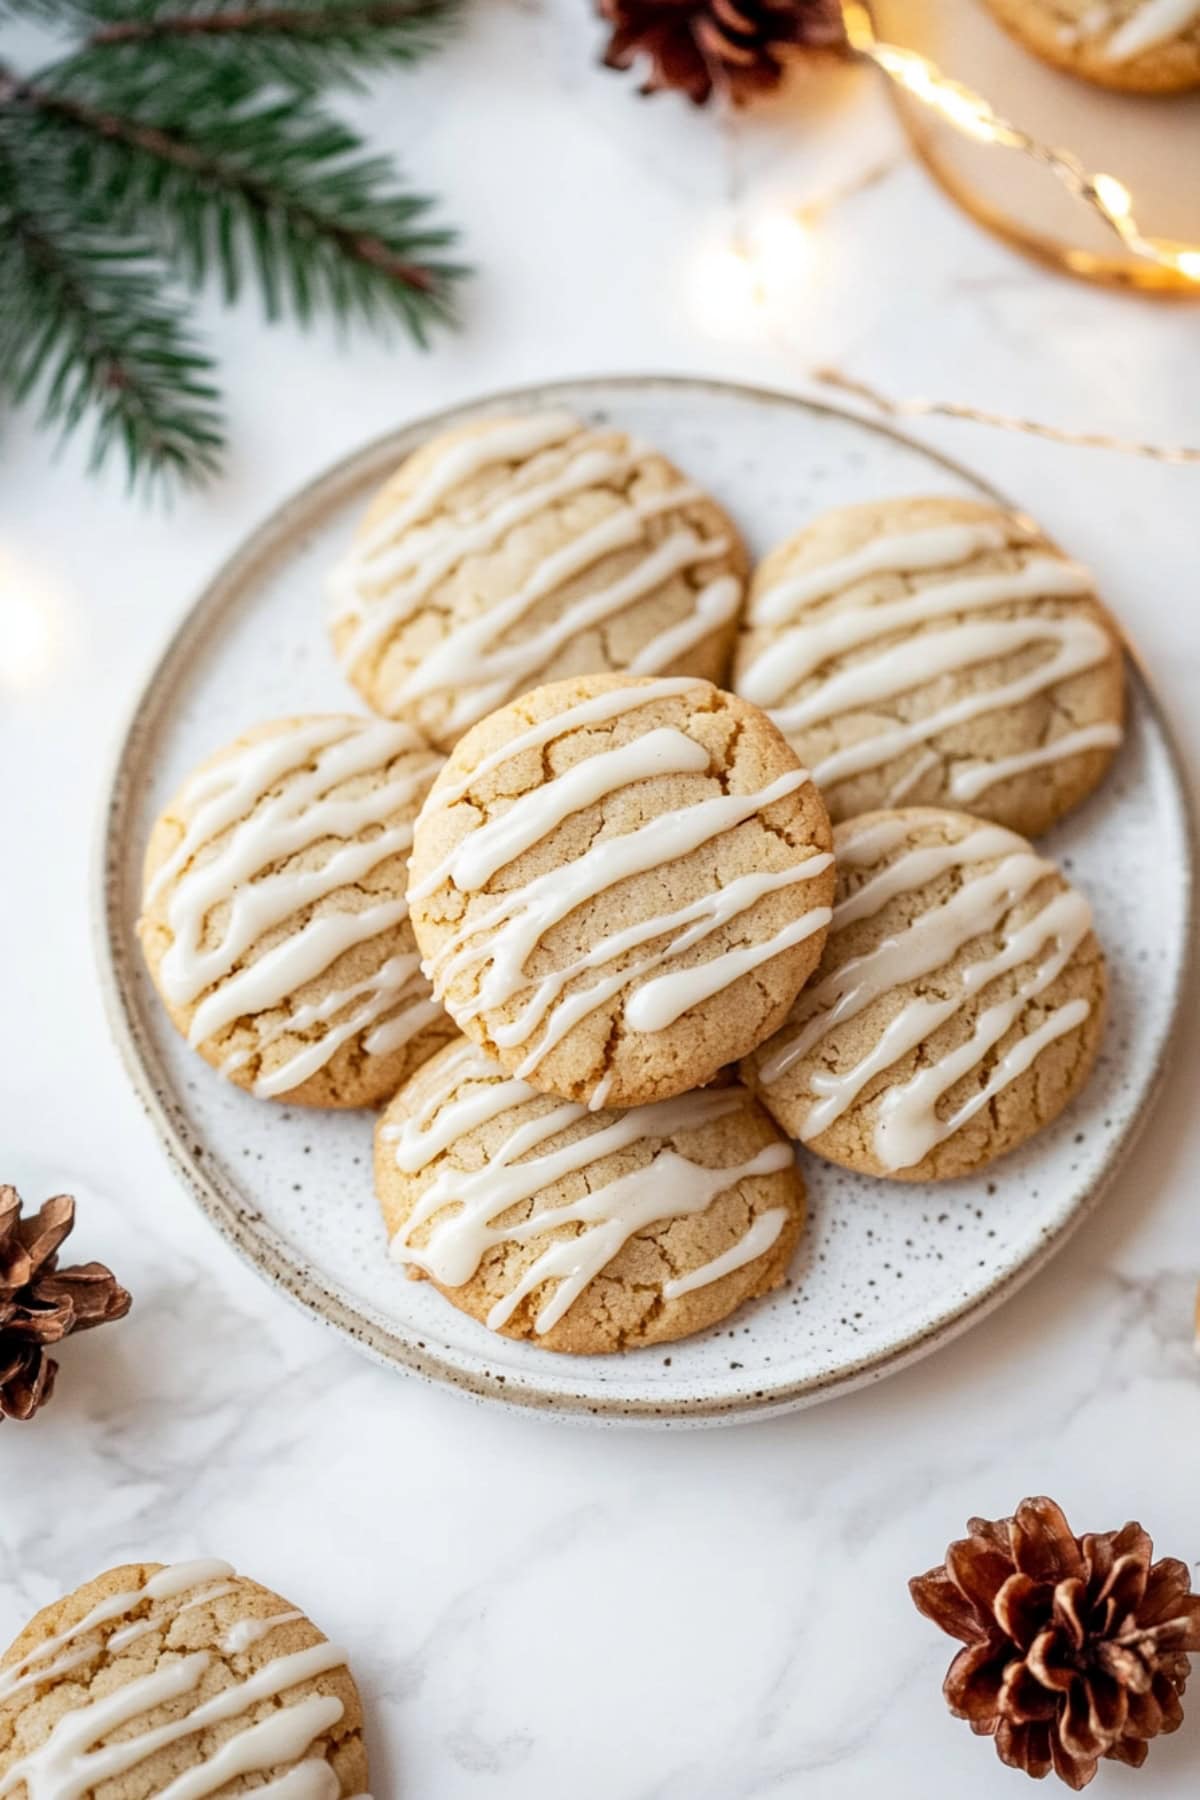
pixel 974 116
pixel 915 407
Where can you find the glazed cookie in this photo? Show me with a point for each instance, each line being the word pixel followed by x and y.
pixel 176 1683
pixel 957 1009
pixel 584 1231
pixel 275 922
pixel 1143 46
pixel 512 552
pixel 620 886
pixel 938 652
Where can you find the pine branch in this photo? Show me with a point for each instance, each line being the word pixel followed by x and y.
pixel 301 44
pixel 228 182
pixel 84 328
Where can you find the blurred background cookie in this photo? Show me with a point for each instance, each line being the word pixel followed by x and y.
pixel 584 1231
pixel 935 652
pixel 958 1007
pixel 275 922
pixel 1144 46
pixel 187 1680
pixel 512 552
pixel 620 886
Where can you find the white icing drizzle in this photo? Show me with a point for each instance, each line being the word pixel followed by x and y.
pixel 498 940
pixel 268 801
pixel 1152 23
pixel 907 1124
pixel 904 784
pixel 973 779
pixel 244 1632
pixel 758 1240
pixel 600 1093
pixel 384 582
pixel 67 1765
pixel 307 1781
pixel 397 980
pixel 168 1584
pixel 694 923
pixel 930 547
pixel 491 847
pixel 715 605
pixel 658 1003
pixel 611 704
pixel 1073 643
pixel 466 1207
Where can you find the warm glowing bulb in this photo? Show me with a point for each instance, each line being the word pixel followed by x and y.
pixel 1113 195
pixel 734 281
pixel 30 626
pixel 780 244
pixel 725 287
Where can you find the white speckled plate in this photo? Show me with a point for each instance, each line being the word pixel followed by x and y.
pixel 888 1271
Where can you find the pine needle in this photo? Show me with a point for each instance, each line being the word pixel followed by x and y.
pixel 234 185
pixel 85 330
pixel 183 139
pixel 300 44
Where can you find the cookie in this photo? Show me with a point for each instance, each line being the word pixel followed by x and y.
pixel 512 552
pixel 1142 46
pixel 620 886
pixel 958 1007
pixel 584 1231
pixel 176 1683
pixel 935 652
pixel 274 921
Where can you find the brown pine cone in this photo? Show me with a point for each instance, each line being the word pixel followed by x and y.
pixel 40 1303
pixel 730 45
pixel 1076 1648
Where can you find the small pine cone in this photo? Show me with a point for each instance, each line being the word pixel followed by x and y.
pixel 1076 1648
pixel 731 45
pixel 40 1303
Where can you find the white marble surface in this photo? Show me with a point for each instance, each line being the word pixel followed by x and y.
pixel 538 1610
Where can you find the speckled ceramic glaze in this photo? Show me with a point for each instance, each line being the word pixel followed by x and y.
pixel 887 1271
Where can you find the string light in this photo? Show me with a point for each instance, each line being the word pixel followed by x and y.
pixel 734 277
pixel 975 117
pixel 31 631
pixel 951 409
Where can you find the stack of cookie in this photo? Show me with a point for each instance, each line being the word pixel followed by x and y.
pixel 579 914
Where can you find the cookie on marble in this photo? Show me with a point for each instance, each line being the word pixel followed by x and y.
pixel 935 652
pixel 620 886
pixel 1142 46
pixel 189 1680
pixel 511 552
pixel 584 1231
pixel 275 922
pixel 958 1007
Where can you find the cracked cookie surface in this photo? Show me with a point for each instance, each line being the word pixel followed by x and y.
pixel 583 1231
pixel 275 923
pixel 936 652
pixel 957 1009
pixel 152 1680
pixel 1142 46
pixel 619 886
pixel 511 552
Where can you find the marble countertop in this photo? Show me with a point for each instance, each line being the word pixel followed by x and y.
pixel 536 1610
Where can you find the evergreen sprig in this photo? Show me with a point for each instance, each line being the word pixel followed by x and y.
pixel 302 44
pixel 139 157
pixel 85 328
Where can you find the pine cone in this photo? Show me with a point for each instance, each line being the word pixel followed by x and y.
pixel 1077 1648
pixel 732 45
pixel 40 1303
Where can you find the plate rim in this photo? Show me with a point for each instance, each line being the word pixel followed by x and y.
pixel 233 1214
